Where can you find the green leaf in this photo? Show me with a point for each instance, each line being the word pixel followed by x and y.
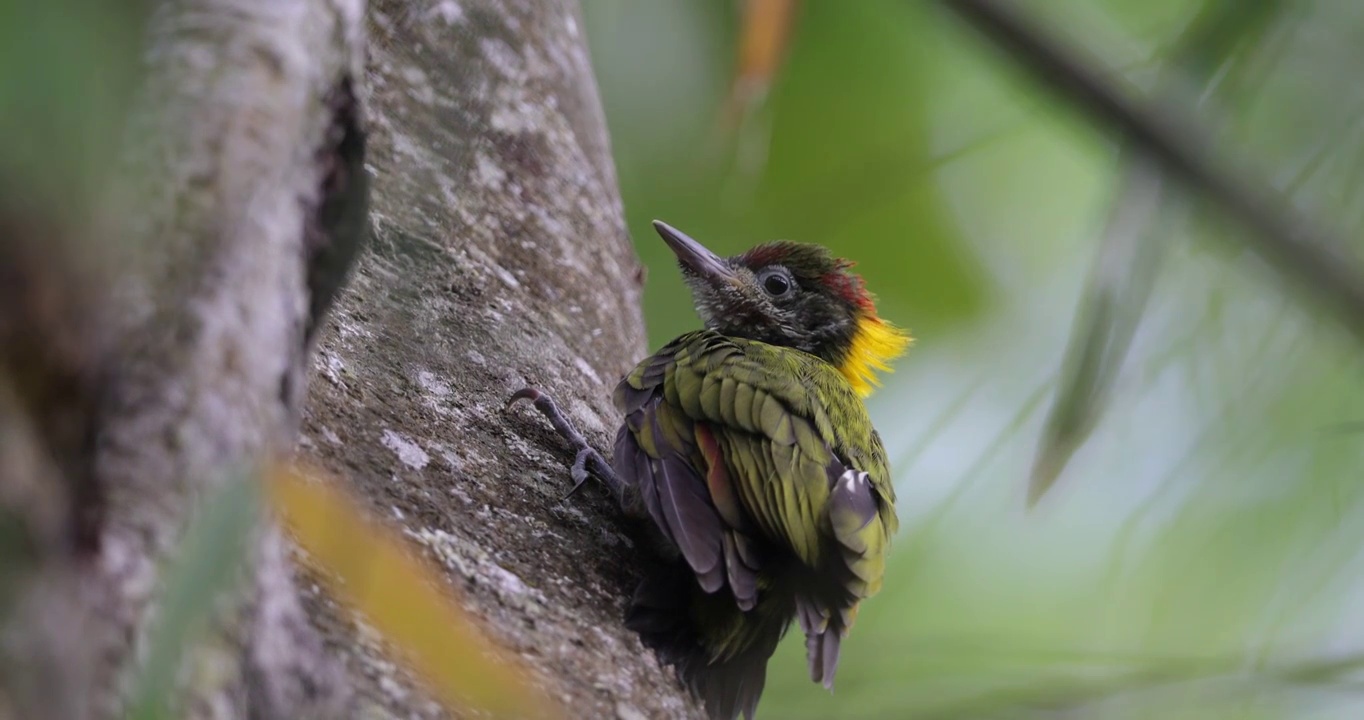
pixel 208 565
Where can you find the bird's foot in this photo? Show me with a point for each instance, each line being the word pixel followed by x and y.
pixel 586 460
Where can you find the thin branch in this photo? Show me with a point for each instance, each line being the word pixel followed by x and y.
pixel 1132 248
pixel 1296 246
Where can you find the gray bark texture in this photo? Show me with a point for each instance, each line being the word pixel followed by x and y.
pixel 499 259
pixel 267 140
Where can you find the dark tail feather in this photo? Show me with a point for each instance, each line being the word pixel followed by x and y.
pixel 823 639
pixel 663 612
pixel 822 652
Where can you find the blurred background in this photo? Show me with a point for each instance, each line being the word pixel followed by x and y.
pixel 1201 551
pixel 1199 555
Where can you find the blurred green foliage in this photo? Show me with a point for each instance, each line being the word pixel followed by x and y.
pixel 66 73
pixel 208 566
pixel 1200 554
pixel 846 162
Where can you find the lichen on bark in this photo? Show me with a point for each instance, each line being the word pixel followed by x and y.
pixel 499 260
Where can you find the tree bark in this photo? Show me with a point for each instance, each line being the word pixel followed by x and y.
pixel 471 149
pixel 499 259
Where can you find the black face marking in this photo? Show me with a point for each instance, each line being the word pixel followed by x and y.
pixel 784 298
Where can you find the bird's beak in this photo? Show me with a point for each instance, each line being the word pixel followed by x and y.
pixel 695 257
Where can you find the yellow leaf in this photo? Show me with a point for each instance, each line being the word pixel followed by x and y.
pixel 765 33
pixel 375 570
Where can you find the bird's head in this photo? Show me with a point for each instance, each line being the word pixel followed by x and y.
pixel 796 295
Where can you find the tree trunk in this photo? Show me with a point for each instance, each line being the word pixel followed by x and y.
pixel 497 258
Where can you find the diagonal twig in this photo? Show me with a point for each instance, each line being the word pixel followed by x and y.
pixel 1131 249
pixel 1298 247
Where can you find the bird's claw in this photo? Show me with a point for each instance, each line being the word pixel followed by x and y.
pixel 526 393
pixel 579 471
pixel 585 458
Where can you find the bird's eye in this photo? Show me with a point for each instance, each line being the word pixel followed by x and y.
pixel 775 283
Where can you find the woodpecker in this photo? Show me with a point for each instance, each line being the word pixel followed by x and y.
pixel 747 448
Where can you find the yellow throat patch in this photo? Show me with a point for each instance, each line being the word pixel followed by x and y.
pixel 875 343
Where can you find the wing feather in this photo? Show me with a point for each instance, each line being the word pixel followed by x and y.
pixel 743 580
pixel 688 515
pixel 754 434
